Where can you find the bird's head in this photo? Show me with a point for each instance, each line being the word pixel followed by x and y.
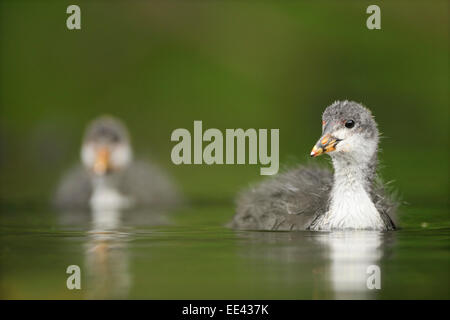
pixel 106 146
pixel 349 131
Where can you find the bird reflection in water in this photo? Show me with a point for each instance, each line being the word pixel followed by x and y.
pixel 322 265
pixel 350 254
pixel 107 257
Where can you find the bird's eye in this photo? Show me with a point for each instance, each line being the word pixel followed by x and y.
pixel 349 124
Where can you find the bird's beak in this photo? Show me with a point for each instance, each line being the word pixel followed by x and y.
pixel 102 161
pixel 325 144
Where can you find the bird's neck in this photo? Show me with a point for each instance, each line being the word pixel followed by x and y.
pixel 354 172
pixel 351 206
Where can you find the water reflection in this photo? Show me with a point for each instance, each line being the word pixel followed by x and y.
pixel 106 248
pixel 329 265
pixel 107 257
pixel 350 255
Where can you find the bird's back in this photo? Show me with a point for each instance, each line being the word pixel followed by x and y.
pixel 144 183
pixel 149 185
pixel 294 199
pixel 289 201
pixel 74 190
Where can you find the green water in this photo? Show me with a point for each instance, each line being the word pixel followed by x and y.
pixel 188 254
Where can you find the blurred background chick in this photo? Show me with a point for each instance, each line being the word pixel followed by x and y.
pixel 109 178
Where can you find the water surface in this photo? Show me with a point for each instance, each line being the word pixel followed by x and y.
pixel 188 254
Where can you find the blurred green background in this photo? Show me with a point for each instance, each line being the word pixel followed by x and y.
pixel 160 65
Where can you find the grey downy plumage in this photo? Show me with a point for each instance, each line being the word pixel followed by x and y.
pixel 313 198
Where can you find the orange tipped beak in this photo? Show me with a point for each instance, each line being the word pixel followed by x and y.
pixel 325 144
pixel 102 162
